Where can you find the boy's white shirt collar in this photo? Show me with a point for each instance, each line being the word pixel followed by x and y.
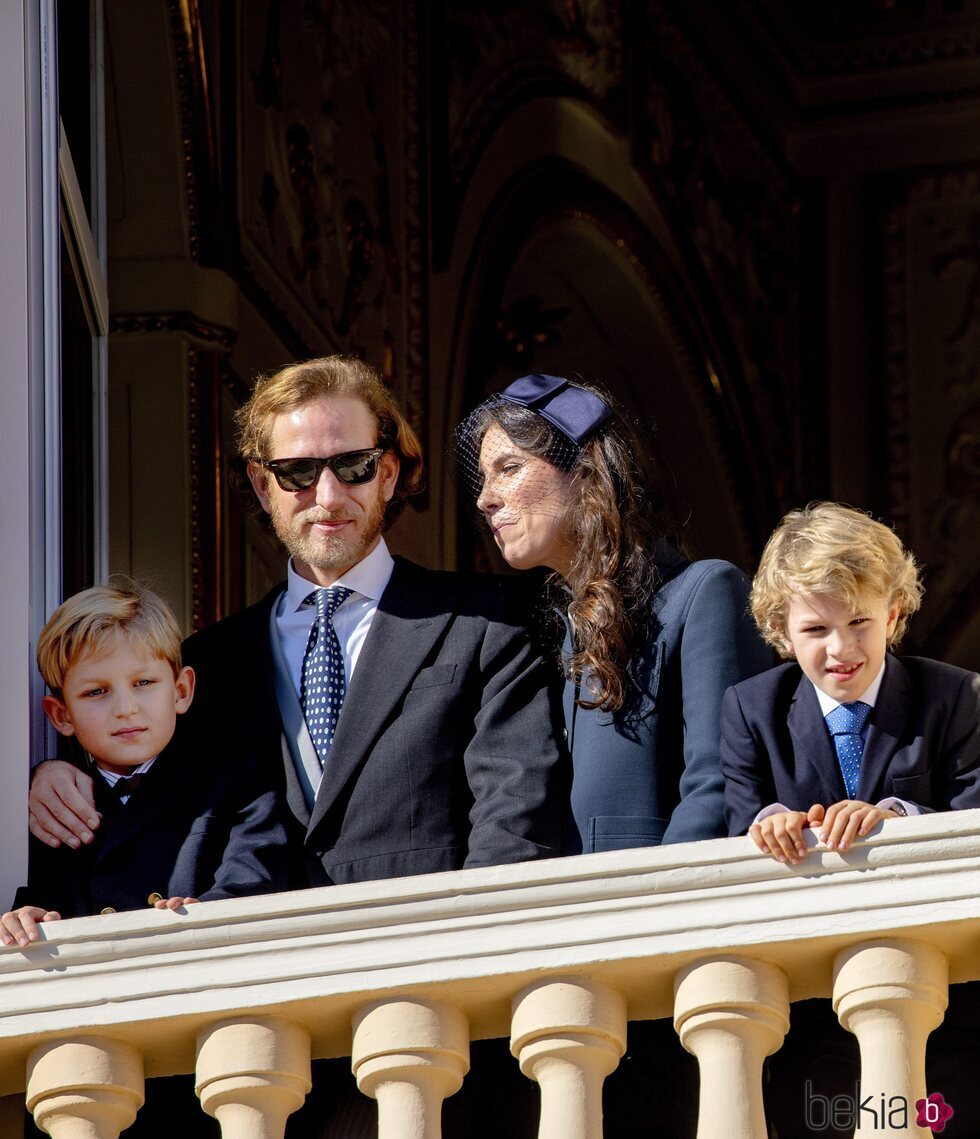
pixel 828 703
pixel 369 578
pixel 113 777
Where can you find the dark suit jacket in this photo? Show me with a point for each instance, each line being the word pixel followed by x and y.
pixel 922 744
pixel 198 825
pixel 445 753
pixel 650 774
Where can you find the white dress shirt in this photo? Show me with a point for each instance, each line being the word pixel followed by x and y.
pixel 870 697
pixel 351 621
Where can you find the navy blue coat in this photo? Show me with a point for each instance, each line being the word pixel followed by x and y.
pixel 650 774
pixel 200 824
pixel 922 745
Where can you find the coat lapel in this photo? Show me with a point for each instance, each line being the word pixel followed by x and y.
pixel 295 795
pixel 258 646
pixel 258 665
pixel 891 713
pixel 813 749
pixel 408 623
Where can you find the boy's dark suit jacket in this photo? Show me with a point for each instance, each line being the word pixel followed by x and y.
pixel 922 744
pixel 198 825
pixel 445 752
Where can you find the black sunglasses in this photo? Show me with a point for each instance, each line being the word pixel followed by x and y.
pixel 352 468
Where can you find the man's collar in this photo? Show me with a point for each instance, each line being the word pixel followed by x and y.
pixel 828 703
pixel 368 578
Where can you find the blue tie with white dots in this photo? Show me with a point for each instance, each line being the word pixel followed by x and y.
pixel 322 684
pixel 847 723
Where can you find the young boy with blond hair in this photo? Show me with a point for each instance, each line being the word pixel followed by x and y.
pixel 178 826
pixel 847 734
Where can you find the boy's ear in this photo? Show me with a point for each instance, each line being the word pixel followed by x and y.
pixel 893 612
pixel 57 712
pixel 184 688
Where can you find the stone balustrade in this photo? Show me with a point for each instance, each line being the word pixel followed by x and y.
pixel 402 975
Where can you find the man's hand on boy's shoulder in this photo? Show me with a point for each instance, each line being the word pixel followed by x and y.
pixel 62 805
pixel 20 925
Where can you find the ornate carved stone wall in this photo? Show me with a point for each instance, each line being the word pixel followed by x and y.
pixel 931 301
pixel 740 209
pixel 328 178
pixel 756 220
pixel 500 54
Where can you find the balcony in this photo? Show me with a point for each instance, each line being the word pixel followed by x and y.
pixel 402 975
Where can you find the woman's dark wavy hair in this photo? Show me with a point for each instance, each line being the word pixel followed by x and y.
pixel 615 521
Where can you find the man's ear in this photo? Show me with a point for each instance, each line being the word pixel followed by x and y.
pixel 258 476
pixel 389 466
pixel 57 712
pixel 184 689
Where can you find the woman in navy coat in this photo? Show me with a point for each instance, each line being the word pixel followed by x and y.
pixel 651 641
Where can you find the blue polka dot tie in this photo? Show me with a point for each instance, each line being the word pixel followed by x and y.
pixel 847 723
pixel 322 684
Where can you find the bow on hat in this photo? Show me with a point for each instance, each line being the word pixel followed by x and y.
pixel 575 412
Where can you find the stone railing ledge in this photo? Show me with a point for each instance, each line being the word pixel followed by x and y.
pixel 630 920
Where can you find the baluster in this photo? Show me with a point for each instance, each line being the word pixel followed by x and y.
pixel 89 1087
pixel 568 1036
pixel 252 1074
pixel 410 1055
pixel 731 1013
pixel 891 995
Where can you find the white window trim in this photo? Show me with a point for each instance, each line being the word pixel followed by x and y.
pixel 30 562
pixel 44 325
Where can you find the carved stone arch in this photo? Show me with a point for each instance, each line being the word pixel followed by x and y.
pixel 570 266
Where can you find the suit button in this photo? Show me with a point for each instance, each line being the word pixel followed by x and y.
pixel 564 733
pixel 153 898
pixel 108 910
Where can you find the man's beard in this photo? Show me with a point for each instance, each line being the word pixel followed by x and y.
pixel 329 551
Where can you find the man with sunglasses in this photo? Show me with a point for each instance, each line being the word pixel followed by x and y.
pixel 404 711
